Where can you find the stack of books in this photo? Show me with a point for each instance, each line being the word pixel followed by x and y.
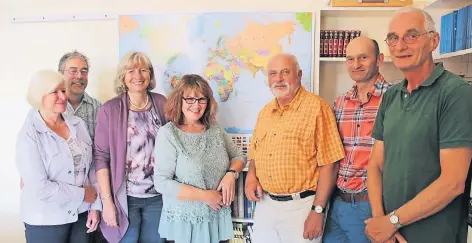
pixel 456 30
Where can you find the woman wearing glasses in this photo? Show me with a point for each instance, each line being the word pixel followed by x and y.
pixel 124 143
pixel 196 167
pixel 54 155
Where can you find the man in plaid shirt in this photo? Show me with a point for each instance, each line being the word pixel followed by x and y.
pixel 355 113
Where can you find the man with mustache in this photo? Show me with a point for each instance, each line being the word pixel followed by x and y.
pixel 293 159
pixel 423 141
pixel 355 113
pixel 75 68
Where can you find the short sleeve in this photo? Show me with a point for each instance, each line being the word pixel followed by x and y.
pixel 377 132
pixel 329 148
pixel 455 121
pixel 252 146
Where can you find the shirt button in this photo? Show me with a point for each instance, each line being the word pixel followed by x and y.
pixel 349 162
pixel 361 106
pixel 355 144
pixel 73 214
pixel 358 125
pixel 70 172
pixel 345 180
pixel 69 212
pixel 406 95
pixel 270 155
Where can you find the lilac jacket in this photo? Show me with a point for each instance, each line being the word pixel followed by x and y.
pixel 110 152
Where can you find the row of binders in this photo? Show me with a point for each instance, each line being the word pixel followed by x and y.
pixel 456 30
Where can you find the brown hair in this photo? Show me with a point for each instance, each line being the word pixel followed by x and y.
pixel 190 82
pixel 130 60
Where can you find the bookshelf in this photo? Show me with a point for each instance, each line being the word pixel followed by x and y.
pixel 343 59
pixel 438 8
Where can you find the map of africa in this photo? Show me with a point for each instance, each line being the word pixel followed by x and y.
pixel 230 50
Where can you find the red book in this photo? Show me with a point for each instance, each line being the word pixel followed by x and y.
pixel 335 43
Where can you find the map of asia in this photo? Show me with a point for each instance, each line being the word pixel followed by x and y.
pixel 230 50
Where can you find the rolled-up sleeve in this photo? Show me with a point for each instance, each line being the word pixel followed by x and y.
pixel 165 155
pixel 101 153
pixel 234 151
pixel 33 173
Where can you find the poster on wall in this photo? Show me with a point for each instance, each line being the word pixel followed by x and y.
pixel 230 50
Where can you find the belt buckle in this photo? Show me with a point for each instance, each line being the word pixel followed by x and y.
pixel 296 196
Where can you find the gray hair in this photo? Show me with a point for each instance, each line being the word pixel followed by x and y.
pixel 429 24
pixel 42 83
pixel 292 57
pixel 66 57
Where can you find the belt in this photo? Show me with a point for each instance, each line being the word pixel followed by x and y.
pixel 352 197
pixel 293 196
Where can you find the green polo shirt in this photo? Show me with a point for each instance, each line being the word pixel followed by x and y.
pixel 414 128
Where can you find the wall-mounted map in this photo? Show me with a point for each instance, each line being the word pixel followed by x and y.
pixel 230 50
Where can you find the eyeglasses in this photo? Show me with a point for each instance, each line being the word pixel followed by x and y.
pixel 75 71
pixel 192 100
pixel 409 38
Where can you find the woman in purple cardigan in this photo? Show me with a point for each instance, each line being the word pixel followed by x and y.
pixel 124 161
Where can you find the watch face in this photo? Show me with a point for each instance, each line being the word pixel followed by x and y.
pixel 394 219
pixel 318 209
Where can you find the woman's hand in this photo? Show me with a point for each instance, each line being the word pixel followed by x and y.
pixel 227 185
pixel 213 199
pixel 109 213
pixel 92 221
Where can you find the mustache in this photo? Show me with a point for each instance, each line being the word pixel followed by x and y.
pixel 284 84
pixel 80 81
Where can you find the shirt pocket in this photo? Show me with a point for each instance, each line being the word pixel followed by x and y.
pixel 302 139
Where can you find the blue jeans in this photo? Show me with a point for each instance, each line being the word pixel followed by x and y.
pixel 144 215
pixel 345 222
pixel 65 233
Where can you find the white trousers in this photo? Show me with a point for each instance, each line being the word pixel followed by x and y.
pixel 281 222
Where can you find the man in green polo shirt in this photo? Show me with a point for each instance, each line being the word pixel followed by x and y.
pixel 423 142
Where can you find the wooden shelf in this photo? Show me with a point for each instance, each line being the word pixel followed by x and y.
pixel 446 4
pixel 357 11
pixel 245 169
pixel 343 59
pixel 243 220
pixel 453 54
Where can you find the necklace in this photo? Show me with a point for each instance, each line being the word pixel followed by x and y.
pixel 140 108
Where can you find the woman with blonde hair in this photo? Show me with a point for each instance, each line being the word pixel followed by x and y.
pixel 54 155
pixel 124 160
pixel 196 167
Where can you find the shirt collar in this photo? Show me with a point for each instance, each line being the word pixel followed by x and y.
pixel 376 90
pixel 437 72
pixel 294 104
pixel 40 125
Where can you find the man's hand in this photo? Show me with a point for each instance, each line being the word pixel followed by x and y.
pixel 253 186
pixel 379 229
pixel 397 238
pixel 92 221
pixel 313 226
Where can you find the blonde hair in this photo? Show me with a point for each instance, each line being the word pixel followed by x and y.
pixel 130 60
pixel 190 82
pixel 42 83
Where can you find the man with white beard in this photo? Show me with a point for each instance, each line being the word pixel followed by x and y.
pixel 75 68
pixel 293 159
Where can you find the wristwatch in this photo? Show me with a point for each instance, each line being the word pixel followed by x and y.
pixel 395 220
pixel 235 173
pixel 318 209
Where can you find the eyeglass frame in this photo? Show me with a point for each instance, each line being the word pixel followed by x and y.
pixel 71 71
pixel 413 40
pixel 195 100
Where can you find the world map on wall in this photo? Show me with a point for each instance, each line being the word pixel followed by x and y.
pixel 230 50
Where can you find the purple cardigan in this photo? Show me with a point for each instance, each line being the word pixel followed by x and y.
pixel 110 152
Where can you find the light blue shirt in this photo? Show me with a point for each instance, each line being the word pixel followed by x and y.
pixel 45 163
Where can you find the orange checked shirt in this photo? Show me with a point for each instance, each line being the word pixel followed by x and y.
pixel 291 142
pixel 355 123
